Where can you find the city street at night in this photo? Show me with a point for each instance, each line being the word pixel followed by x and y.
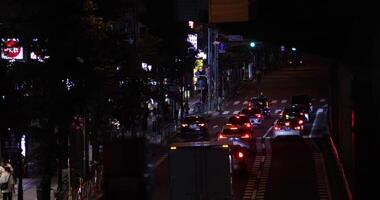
pixel 189 100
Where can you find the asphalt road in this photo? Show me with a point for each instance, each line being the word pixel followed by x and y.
pixel 281 168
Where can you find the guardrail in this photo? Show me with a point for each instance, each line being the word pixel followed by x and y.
pixel 90 189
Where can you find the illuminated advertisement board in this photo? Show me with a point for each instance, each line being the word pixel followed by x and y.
pixel 11 50
pixel 192 38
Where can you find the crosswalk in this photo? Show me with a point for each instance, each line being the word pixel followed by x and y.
pixel 278 102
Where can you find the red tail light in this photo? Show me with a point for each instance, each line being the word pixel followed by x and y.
pixel 297 128
pixel 287 123
pixel 201 124
pixel 241 154
pixel 258 115
pixel 246 136
pixel 184 125
pixel 247 125
pixel 300 121
pixel 276 128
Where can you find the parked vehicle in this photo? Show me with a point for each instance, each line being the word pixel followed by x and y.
pixel 204 170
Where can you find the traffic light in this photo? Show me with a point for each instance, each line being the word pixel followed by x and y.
pixel 252 44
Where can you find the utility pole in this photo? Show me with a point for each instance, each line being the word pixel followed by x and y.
pixel 210 67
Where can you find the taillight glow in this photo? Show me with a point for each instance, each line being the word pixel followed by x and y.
pixel 240 154
pixel 300 121
pixel 287 123
pixel 246 136
pixel 201 124
pixel 233 128
pixel 221 136
pixel 258 115
pixel 184 125
pixel 247 125
pixel 297 128
pixel 276 128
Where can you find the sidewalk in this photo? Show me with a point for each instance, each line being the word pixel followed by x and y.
pixel 30 189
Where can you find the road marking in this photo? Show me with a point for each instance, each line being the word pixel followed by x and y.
pixel 322 100
pixel 159 161
pixel 245 102
pixel 226 112
pixel 277 111
pixel 236 102
pixel 236 112
pixel 191 109
pixel 215 114
pixel 215 126
pixel 268 131
pixel 274 101
pixel 316 122
pixel 284 101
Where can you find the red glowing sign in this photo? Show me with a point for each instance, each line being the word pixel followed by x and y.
pixel 11 50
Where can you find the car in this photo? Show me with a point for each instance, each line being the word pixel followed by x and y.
pixel 194 126
pixel 287 126
pixel 255 115
pixel 261 102
pixel 240 120
pixel 295 59
pixel 240 151
pixel 298 111
pixel 234 132
pixel 304 101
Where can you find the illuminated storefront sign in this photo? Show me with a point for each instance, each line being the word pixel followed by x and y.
pixel 11 50
pixel 192 38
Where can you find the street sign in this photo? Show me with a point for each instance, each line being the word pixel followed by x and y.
pixel 235 38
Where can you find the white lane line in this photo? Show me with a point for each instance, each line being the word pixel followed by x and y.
pixel 236 102
pixel 277 111
pixel 274 101
pixel 159 161
pixel 215 126
pixel 284 101
pixel 245 102
pixel 226 112
pixel 322 100
pixel 215 114
pixel 236 112
pixel 316 122
pixel 268 131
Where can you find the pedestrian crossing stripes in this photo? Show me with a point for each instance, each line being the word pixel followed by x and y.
pixel 225 112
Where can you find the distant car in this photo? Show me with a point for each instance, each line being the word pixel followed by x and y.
pixel 193 127
pixel 295 59
pixel 297 111
pixel 241 121
pixel 255 115
pixel 286 126
pixel 233 132
pixel 304 101
pixel 261 102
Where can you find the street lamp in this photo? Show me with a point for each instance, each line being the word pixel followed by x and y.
pixel 252 44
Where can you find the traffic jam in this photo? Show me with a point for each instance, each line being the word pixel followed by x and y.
pixel 227 153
